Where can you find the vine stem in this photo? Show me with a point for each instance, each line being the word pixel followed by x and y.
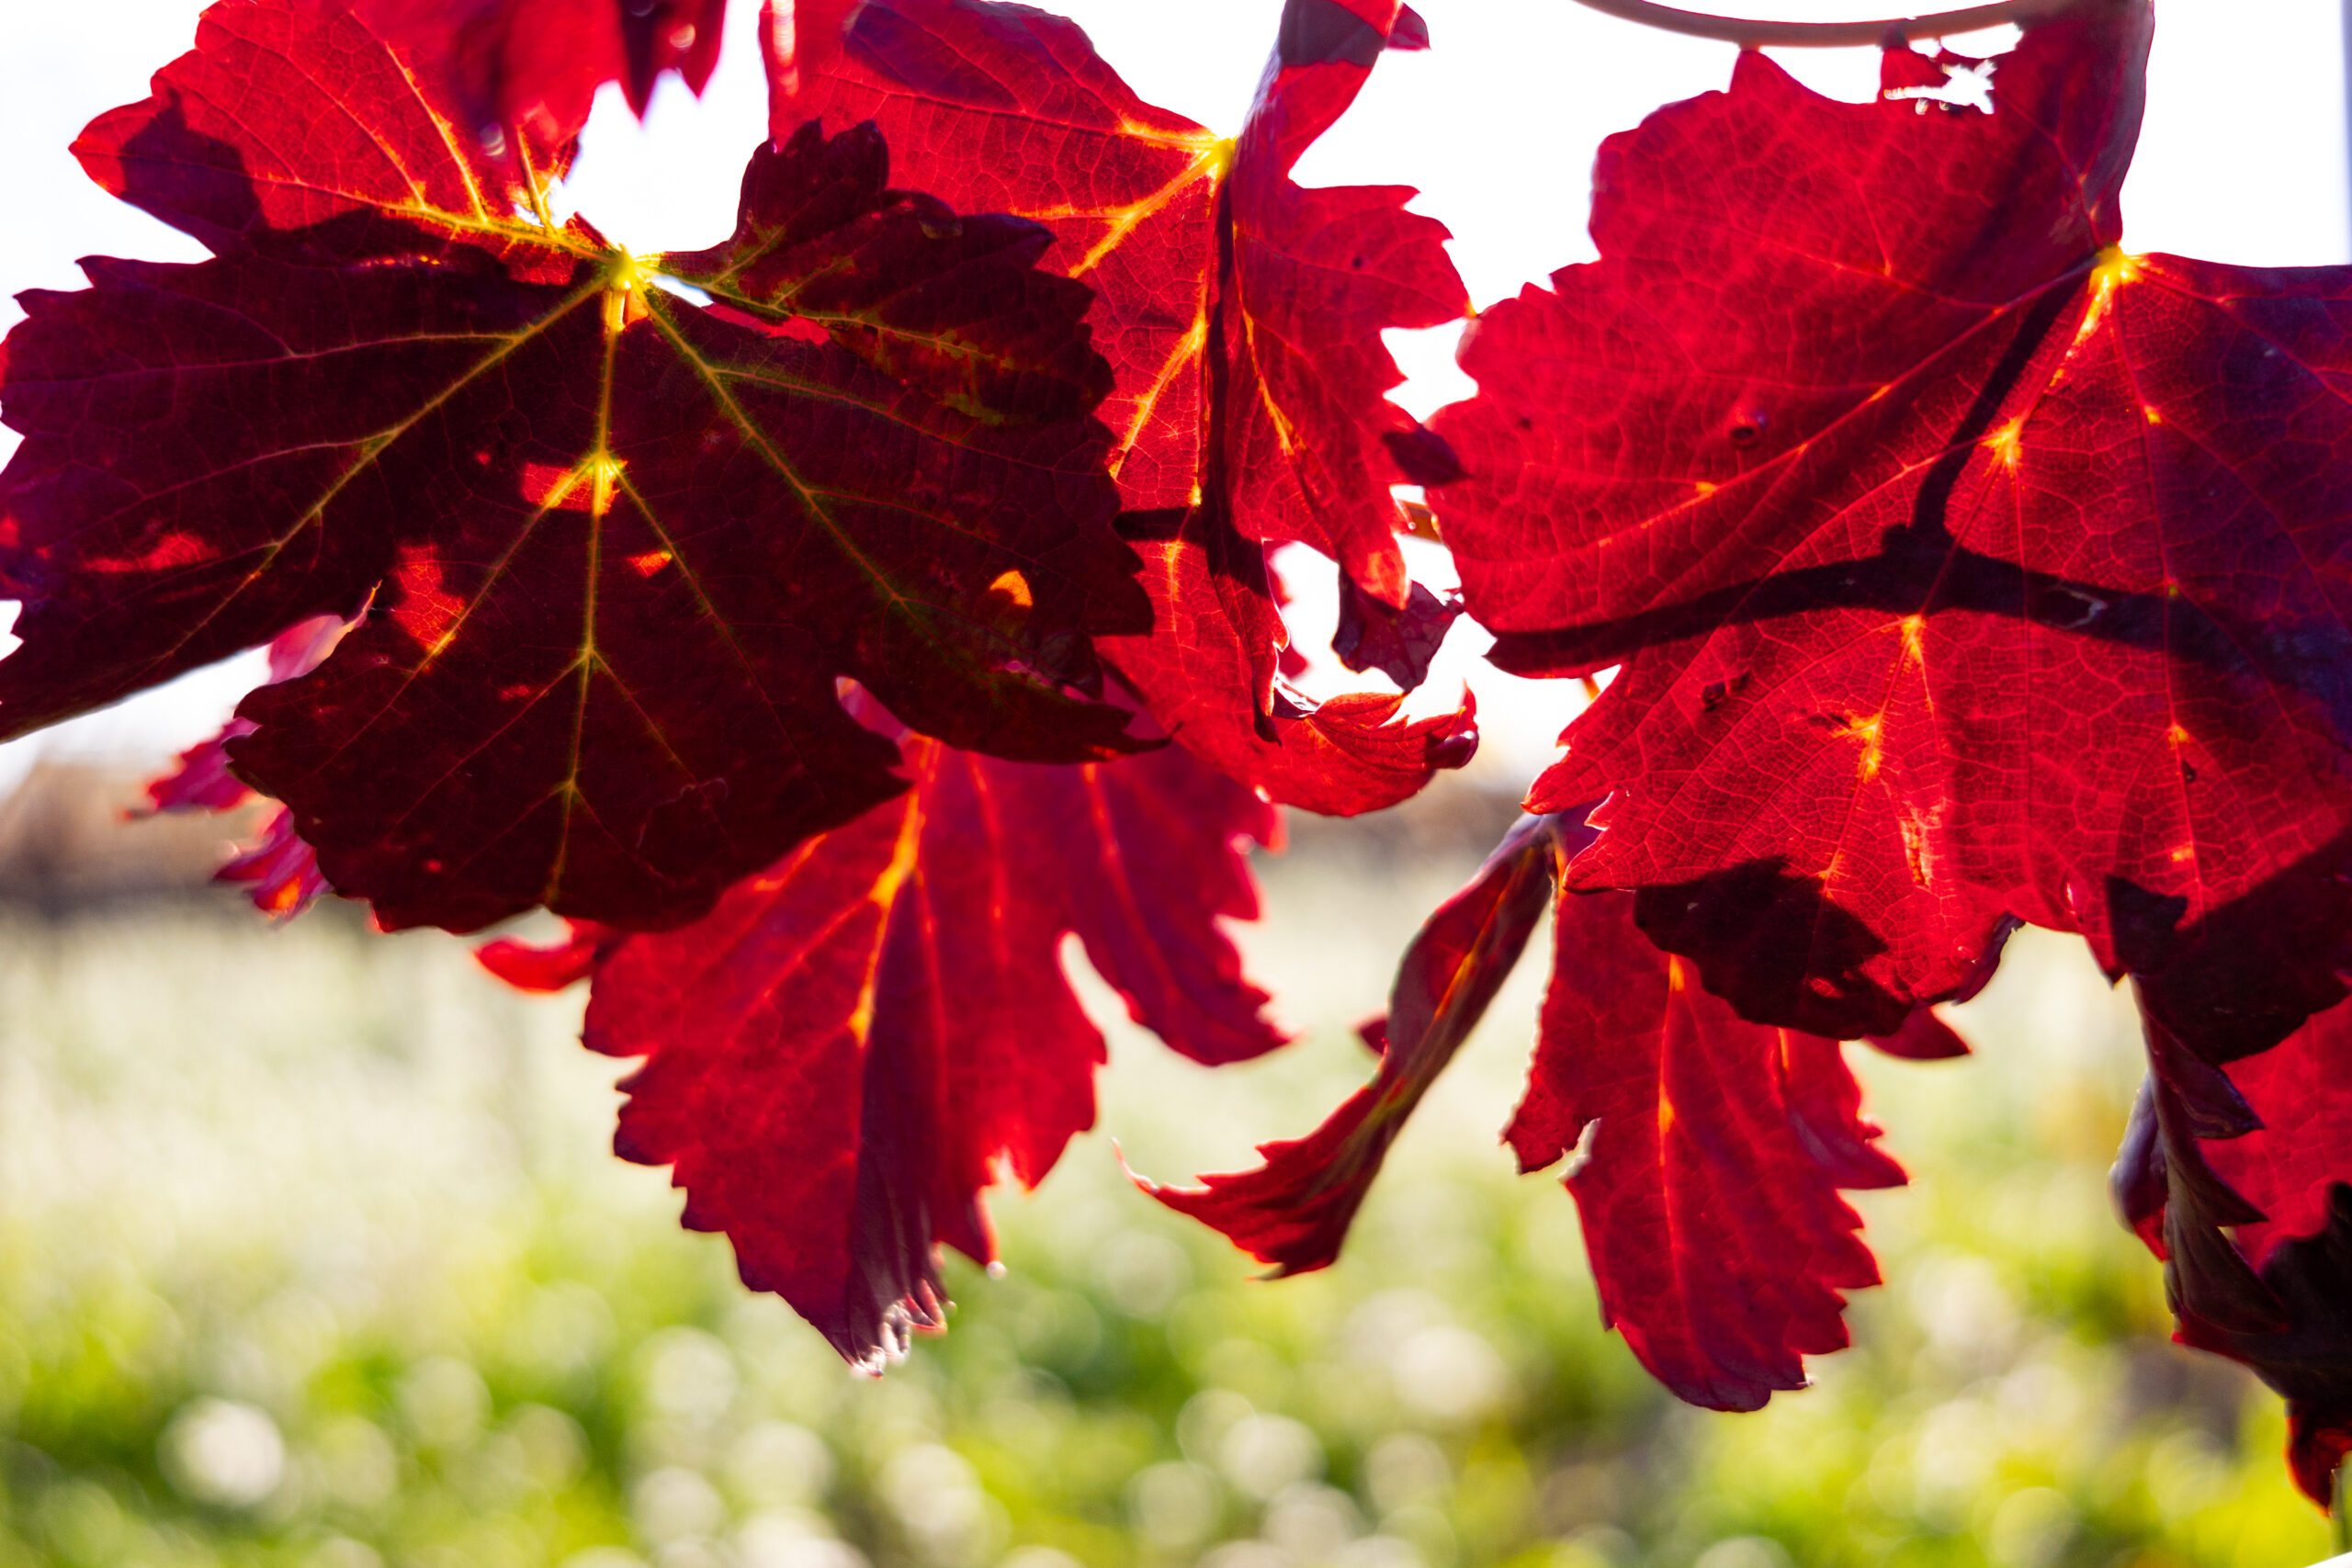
pixel 1750 34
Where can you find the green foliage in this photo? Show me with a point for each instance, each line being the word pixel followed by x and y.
pixel 365 1290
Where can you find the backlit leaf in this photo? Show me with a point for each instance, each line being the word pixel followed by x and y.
pixel 280 869
pixel 1705 1153
pixel 200 779
pixel 1242 316
pixel 535 65
pixel 1216 632
pixel 1961 565
pixel 1400 644
pixel 1294 1210
pixel 614 549
pixel 840 1053
pixel 2264 1151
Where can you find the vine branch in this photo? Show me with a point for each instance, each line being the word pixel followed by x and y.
pixel 1750 34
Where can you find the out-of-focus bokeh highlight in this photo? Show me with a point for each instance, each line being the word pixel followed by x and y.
pixel 312 1254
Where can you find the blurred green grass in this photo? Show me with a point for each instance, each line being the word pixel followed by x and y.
pixel 312 1253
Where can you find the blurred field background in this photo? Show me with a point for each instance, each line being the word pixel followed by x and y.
pixel 312 1253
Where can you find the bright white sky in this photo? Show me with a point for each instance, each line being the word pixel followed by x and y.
pixel 2243 160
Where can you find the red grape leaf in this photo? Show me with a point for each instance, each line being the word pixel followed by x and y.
pixel 2170 1194
pixel 2300 1091
pixel 1001 108
pixel 2308 1361
pixel 951 304
pixel 1824 1105
pixel 2262 1151
pixel 244 150
pixel 1924 1037
pixel 1400 644
pixel 1210 269
pixel 1409 32
pixel 1308 437
pixel 619 548
pixel 839 1055
pixel 1709 1152
pixel 281 868
pixel 200 780
pixel 1215 632
pixel 1706 1152
pixel 535 65
pixel 1959 565
pixel 1294 1210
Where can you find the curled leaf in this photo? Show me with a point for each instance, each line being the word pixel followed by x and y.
pixel 1293 1210
pixel 2241 1183
pixel 1399 643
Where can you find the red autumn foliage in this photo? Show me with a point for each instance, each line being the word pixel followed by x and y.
pixel 1707 1154
pixel 1240 313
pixel 1961 571
pixel 1992 590
pixel 282 870
pixel 2259 1150
pixel 1704 1152
pixel 616 550
pixel 1996 591
pixel 535 66
pixel 202 780
pixel 838 1055
pixel 1294 1210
